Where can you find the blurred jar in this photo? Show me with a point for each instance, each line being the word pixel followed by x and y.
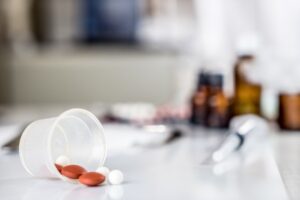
pixel 289 111
pixel 247 95
pixel 199 101
pixel 110 20
pixel 218 105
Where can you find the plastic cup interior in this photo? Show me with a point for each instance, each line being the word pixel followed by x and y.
pixel 76 133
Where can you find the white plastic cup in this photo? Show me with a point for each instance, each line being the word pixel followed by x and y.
pixel 76 133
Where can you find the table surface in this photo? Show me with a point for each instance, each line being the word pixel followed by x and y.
pixel 286 147
pixel 174 171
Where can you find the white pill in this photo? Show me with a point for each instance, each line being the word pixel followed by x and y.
pixel 62 160
pixel 115 177
pixel 103 170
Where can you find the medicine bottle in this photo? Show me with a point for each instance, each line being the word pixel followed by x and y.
pixel 289 111
pixel 218 115
pixel 199 101
pixel 247 95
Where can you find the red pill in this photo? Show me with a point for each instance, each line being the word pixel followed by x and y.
pixel 58 167
pixel 72 171
pixel 91 178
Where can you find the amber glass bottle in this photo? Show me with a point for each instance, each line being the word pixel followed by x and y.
pixel 247 95
pixel 219 111
pixel 289 111
pixel 199 101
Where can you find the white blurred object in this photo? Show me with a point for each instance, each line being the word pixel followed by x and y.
pixel 247 44
pixel 126 138
pixel 213 43
pixel 62 160
pixel 154 33
pixel 269 104
pixel 279 57
pixel 104 171
pixel 168 26
pixel 134 111
pixel 246 132
pixel 115 177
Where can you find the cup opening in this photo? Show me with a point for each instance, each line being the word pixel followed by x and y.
pixel 79 135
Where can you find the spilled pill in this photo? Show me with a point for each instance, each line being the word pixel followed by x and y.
pixel 103 170
pixel 62 160
pixel 115 177
pixel 72 171
pixel 58 167
pixel 91 178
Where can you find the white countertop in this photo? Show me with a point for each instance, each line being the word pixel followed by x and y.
pixel 172 171
pixel 286 151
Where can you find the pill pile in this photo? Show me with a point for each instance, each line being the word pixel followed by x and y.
pixel 76 172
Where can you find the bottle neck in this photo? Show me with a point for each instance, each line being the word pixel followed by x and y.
pixel 216 89
pixel 201 87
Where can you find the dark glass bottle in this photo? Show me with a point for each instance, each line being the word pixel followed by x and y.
pixel 247 95
pixel 289 111
pixel 218 104
pixel 199 101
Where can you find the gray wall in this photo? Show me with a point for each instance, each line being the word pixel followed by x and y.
pixel 5 75
pixel 85 76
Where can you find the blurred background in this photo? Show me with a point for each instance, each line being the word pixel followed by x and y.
pixel 201 61
pixel 171 67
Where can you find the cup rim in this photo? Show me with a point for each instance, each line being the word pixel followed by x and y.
pixel 21 144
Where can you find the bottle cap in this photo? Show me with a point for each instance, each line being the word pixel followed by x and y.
pixel 202 78
pixel 216 80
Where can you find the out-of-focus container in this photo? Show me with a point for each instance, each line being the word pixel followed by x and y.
pixel 289 111
pixel 199 101
pixel 219 106
pixel 247 95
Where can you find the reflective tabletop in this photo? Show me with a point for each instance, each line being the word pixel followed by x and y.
pixel 178 170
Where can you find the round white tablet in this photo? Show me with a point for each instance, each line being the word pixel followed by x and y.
pixel 103 170
pixel 115 177
pixel 62 160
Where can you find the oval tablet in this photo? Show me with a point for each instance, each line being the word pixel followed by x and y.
pixel 58 167
pixel 72 171
pixel 91 178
